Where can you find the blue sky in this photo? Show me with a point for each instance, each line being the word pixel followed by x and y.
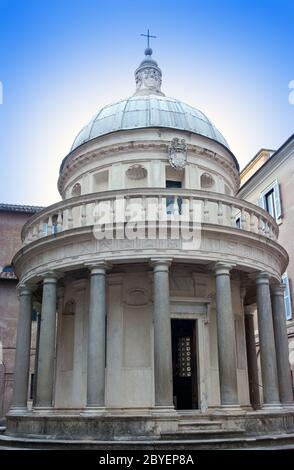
pixel 61 60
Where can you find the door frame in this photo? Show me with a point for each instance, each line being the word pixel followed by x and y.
pixel 195 308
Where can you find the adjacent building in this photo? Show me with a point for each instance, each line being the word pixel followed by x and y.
pixel 12 219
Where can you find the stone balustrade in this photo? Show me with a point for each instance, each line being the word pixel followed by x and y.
pixel 150 204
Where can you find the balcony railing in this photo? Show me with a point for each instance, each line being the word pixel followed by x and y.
pixel 150 204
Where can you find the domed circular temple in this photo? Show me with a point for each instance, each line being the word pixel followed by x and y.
pixel 147 277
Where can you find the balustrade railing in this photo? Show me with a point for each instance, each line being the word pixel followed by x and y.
pixel 150 204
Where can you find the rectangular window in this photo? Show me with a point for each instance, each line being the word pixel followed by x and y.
pixel 270 200
pixel 173 203
pixel 287 297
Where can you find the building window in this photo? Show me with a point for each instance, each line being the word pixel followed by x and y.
pixel 7 269
pixel 287 297
pixel 173 203
pixel 270 200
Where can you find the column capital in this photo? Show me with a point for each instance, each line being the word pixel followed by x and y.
pixel 278 289
pixel 160 264
pixel 50 277
pixel 25 289
pixel 220 268
pixel 262 278
pixel 99 267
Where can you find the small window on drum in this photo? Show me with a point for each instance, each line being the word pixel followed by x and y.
pixel 206 181
pixel 76 190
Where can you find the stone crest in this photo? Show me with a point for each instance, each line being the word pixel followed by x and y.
pixel 177 153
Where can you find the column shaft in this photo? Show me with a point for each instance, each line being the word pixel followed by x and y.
pixel 162 336
pixel 281 343
pixel 226 336
pixel 267 341
pixel 23 346
pixel 96 339
pixel 46 355
pixel 251 359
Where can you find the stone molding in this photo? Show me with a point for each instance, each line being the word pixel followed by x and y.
pixel 78 247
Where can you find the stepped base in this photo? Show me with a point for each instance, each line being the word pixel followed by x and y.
pixel 148 430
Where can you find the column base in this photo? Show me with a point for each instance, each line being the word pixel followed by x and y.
pixel 271 407
pixel 93 411
pixel 43 409
pixel 17 410
pixel 288 406
pixel 164 411
pixel 234 408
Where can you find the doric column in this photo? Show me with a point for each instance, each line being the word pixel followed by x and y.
pixel 251 357
pixel 46 354
pixel 281 343
pixel 22 353
pixel 163 375
pixel 96 339
pixel 226 336
pixel 267 341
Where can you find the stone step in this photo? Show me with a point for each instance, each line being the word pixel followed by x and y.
pixel 202 434
pixel 271 441
pixel 200 424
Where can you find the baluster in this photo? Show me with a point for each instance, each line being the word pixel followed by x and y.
pixel 29 237
pixel 243 219
pixel 144 208
pixel 59 221
pixel 50 225
pixel 69 218
pixel 127 212
pixel 41 229
pixel 206 214
pixel 191 209
pixel 176 211
pixel 252 222
pixel 266 230
pixel 233 219
pixel 96 213
pixel 260 225
pixel 111 211
pixel 220 213
pixel 35 233
pixel 161 208
pixel 83 215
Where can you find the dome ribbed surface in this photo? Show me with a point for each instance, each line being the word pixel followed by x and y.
pixel 138 112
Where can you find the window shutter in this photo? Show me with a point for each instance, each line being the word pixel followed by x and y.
pixel 287 297
pixel 277 200
pixel 261 201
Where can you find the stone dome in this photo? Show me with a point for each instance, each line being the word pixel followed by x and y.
pixel 151 110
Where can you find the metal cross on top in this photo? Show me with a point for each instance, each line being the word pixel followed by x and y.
pixel 148 36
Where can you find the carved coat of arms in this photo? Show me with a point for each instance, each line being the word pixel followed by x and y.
pixel 177 153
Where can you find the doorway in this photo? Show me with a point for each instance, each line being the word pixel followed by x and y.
pixel 184 354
